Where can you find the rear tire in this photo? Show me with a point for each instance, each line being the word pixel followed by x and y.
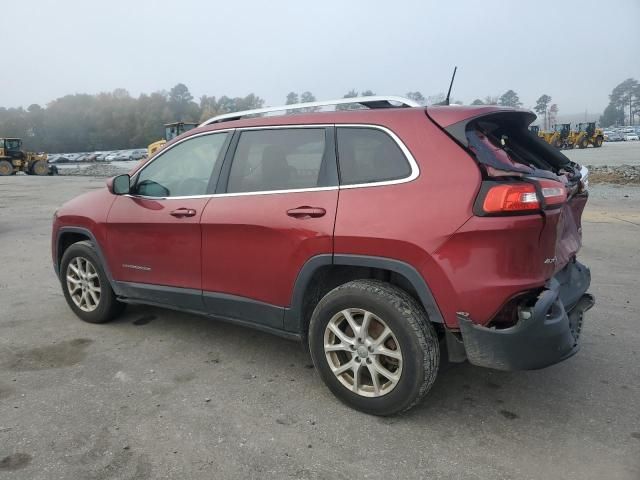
pixel 398 347
pixel 85 285
pixel 6 168
pixel 40 168
pixel 598 142
pixel 584 143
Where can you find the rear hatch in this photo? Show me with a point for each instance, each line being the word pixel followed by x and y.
pixel 522 175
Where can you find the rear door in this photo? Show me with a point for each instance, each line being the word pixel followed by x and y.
pixel 275 210
pixel 154 237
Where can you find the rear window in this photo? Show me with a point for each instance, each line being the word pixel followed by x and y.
pixel 503 141
pixel 368 155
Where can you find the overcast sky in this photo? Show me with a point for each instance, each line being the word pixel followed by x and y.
pixel 574 51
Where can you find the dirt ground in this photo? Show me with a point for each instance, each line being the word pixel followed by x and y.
pixel 158 394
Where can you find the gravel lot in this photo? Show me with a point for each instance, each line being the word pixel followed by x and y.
pixel 158 394
pixel 611 153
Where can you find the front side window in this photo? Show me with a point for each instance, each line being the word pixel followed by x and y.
pixel 183 170
pixel 368 155
pixel 277 159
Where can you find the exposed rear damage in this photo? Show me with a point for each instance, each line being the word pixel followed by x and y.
pixel 537 191
pixel 547 329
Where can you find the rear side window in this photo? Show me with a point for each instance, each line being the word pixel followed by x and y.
pixel 368 155
pixel 277 159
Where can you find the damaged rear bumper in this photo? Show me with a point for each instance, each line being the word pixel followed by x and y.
pixel 546 333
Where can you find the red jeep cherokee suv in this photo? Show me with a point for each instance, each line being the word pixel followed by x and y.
pixel 377 235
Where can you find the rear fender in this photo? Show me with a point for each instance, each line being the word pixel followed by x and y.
pixel 294 320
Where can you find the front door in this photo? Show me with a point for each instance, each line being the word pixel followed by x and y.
pixel 276 212
pixel 154 237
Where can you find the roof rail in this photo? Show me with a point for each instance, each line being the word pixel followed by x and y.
pixel 374 101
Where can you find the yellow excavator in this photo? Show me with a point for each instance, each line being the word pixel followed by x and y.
pixel 13 160
pixel 171 131
pixel 587 134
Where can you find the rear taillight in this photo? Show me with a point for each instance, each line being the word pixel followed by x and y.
pixel 510 198
pixel 554 193
pixel 517 198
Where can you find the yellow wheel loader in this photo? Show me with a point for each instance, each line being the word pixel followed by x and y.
pixel 560 136
pixel 13 160
pixel 171 131
pixel 587 134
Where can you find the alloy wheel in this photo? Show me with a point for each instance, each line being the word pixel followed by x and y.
pixel 83 284
pixel 363 352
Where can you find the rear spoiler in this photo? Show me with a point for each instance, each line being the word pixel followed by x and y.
pixel 455 122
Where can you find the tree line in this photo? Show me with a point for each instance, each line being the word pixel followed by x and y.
pixel 117 120
pixel 624 104
pixel 113 120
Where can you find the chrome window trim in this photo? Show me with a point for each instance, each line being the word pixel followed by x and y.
pixel 239 194
pixel 415 170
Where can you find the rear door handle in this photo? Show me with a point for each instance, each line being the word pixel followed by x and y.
pixel 183 212
pixel 306 212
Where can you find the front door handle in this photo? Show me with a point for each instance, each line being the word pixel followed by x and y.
pixel 306 212
pixel 183 212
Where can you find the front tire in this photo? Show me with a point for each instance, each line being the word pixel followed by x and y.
pixel 86 286
pixel 374 347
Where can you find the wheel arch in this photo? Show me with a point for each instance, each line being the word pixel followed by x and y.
pixel 67 236
pixel 322 273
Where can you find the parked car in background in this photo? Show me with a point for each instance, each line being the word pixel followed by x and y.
pixel 630 136
pixel 377 236
pixel 72 157
pixel 614 137
pixel 124 155
pixel 139 154
pixel 91 157
pixel 111 156
pixel 83 157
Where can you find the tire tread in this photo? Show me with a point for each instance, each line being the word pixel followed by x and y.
pixel 415 317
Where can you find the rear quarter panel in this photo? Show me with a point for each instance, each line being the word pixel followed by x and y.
pixel 410 221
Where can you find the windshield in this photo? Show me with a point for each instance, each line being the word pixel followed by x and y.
pixel 13 144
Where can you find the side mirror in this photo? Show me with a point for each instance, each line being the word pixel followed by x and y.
pixel 121 185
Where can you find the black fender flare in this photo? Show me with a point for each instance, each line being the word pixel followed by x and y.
pixel 96 246
pixel 293 315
